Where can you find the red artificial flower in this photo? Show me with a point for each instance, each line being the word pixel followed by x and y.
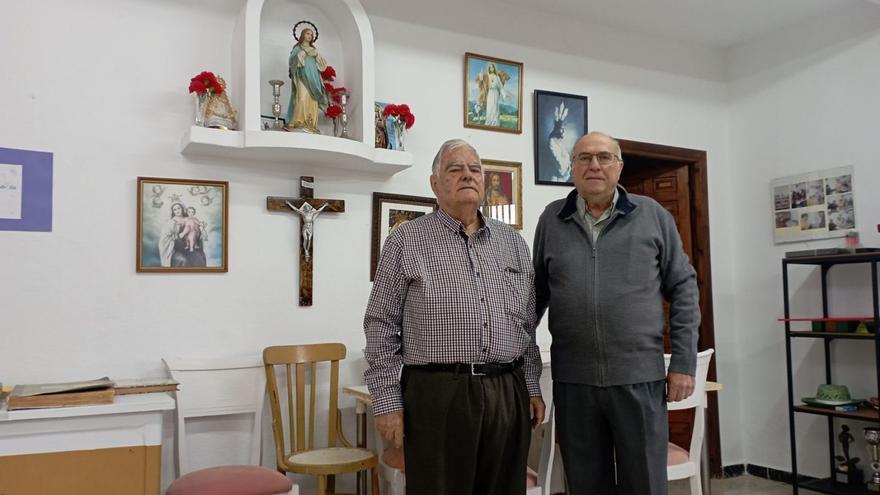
pixel 391 110
pixel 333 111
pixel 205 82
pixel 404 109
pixel 328 87
pixel 196 86
pixel 329 73
pixel 410 120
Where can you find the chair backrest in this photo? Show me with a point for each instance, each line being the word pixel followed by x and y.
pixel 548 449
pixel 218 387
pixel 696 401
pixel 299 362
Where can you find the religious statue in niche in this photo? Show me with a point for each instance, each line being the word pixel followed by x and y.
pixel 219 112
pixel 308 95
pixel 381 132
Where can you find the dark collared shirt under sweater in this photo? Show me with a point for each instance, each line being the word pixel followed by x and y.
pixel 442 296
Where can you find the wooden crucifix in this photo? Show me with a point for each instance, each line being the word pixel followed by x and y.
pixel 308 208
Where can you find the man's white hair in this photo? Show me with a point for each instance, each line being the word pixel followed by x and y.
pixel 448 146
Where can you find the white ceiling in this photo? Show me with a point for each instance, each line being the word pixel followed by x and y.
pixel 713 23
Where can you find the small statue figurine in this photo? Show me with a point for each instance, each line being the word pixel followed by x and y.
pixel 307 94
pixel 381 132
pixel 219 112
pixel 846 471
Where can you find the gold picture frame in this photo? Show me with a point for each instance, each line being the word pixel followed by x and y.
pixel 503 192
pixel 182 225
pixel 493 93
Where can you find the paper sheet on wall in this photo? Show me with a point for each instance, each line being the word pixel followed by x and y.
pixel 814 205
pixel 10 191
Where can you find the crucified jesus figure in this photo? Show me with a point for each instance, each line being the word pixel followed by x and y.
pixel 308 214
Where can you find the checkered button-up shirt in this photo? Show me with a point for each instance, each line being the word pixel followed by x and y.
pixel 442 296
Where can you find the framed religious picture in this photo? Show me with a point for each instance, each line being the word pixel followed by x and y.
pixel 560 120
pixel 390 211
pixel 816 205
pixel 503 199
pixel 182 225
pixel 492 93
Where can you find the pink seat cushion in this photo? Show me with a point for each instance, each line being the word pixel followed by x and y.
pixel 676 455
pixel 393 458
pixel 231 480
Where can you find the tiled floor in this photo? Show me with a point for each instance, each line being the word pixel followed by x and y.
pixel 740 485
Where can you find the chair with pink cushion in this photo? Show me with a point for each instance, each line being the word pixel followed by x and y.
pixel 223 389
pixel 681 463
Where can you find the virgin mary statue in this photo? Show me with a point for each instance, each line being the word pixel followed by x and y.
pixel 307 96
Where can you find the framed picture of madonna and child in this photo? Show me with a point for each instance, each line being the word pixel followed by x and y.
pixel 182 225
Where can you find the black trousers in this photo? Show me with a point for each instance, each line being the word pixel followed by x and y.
pixel 465 434
pixel 601 429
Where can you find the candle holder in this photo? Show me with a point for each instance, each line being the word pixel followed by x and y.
pixel 276 104
pixel 340 124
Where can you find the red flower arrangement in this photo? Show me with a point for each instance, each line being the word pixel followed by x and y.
pixel 401 114
pixel 205 83
pixel 329 73
pixel 333 110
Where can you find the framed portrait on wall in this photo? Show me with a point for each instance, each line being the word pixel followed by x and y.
pixel 560 120
pixel 390 211
pixel 182 225
pixel 492 93
pixel 503 198
pixel 816 205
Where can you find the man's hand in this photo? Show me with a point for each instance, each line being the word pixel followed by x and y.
pixel 390 426
pixel 679 386
pixel 536 405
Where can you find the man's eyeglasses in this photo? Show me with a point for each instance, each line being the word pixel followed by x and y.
pixel 604 158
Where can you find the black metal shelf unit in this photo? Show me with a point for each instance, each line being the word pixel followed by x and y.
pixel 825 263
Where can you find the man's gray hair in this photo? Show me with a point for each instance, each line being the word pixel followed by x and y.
pixel 450 145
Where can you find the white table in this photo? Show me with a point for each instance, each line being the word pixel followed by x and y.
pixel 89 450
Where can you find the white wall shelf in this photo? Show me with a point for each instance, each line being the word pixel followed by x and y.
pixel 261 41
pixel 296 147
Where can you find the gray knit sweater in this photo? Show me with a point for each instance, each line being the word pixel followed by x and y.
pixel 605 299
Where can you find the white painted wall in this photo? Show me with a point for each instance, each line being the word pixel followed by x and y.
pixel 802 100
pixel 102 85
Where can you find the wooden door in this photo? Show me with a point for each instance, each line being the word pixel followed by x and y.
pixel 669 185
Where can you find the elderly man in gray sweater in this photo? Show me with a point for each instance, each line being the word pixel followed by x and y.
pixel 605 261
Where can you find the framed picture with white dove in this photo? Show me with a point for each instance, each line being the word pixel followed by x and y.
pixel 560 120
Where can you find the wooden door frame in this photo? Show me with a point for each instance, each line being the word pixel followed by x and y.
pixel 699 209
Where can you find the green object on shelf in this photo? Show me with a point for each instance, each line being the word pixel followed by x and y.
pixel 862 328
pixel 818 326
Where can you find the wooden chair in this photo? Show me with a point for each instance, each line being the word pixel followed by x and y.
pixel 215 388
pixel 296 452
pixel 683 463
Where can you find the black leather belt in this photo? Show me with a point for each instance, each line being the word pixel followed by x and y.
pixel 477 369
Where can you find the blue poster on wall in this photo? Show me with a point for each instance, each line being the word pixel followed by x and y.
pixel 25 190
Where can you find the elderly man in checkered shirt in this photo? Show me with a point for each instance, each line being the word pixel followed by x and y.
pixel 450 331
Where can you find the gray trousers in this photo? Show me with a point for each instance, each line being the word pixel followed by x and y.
pixel 464 434
pixel 600 428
